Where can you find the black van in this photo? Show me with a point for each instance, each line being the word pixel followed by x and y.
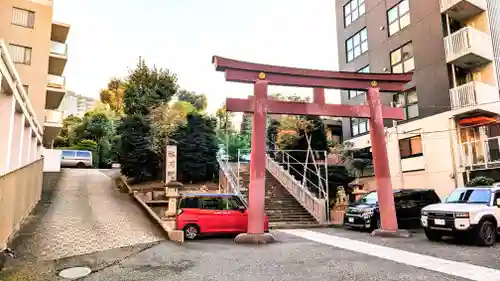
pixel 364 213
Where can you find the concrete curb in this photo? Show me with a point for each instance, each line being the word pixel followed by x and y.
pixel 172 234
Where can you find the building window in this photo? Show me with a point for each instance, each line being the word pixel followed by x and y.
pixel 23 18
pixel 409 102
pixel 26 88
pixel 353 10
pixel 354 93
pixel 402 60
pixel 357 45
pixel 359 126
pixel 399 17
pixel 411 147
pixel 20 54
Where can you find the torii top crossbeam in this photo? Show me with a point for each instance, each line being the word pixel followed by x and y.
pixel 246 72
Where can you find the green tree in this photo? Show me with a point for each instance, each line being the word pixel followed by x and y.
pixel 272 134
pixel 199 101
pixel 63 138
pixel 197 149
pixel 138 161
pixel 481 181
pixel 146 88
pixel 113 95
pixel 246 125
pixel 224 119
pixel 237 142
pixel 99 126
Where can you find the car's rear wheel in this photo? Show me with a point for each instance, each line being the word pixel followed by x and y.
pixel 191 231
pixel 486 234
pixel 432 235
pixel 80 165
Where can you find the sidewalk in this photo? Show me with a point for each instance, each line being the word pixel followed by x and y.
pixel 82 214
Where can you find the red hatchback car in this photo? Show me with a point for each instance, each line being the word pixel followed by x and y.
pixel 203 213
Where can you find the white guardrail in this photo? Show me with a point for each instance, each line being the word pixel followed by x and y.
pixel 315 206
pixel 8 71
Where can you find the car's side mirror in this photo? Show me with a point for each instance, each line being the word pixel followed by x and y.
pixel 242 209
pixel 498 202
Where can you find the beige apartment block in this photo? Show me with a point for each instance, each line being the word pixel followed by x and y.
pixel 37 46
pixel 33 54
pixel 455 143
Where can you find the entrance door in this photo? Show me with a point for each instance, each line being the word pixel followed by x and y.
pixel 209 217
pixel 235 218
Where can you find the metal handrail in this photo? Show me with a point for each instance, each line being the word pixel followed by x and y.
pixel 286 155
pixel 224 165
pixel 315 206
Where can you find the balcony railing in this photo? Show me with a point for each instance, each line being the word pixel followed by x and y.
pixel 473 93
pixel 453 4
pixel 55 81
pixel 481 154
pixel 20 190
pixel 9 74
pixel 53 116
pixel 59 49
pixel 468 41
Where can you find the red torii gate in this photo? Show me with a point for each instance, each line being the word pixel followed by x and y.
pixel 262 75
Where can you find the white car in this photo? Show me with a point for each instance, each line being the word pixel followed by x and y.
pixel 472 212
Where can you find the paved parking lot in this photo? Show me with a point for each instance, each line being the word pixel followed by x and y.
pixel 87 223
pixel 448 249
pixel 292 258
pixel 322 254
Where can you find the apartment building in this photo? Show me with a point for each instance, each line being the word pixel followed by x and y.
pixel 34 55
pixel 451 132
pixel 77 105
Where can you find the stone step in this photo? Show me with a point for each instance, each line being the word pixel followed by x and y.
pixel 290 218
pixel 295 225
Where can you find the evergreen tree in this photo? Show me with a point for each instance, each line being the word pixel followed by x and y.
pixel 197 149
pixel 138 161
pixel 144 90
pixel 272 134
pixel 147 88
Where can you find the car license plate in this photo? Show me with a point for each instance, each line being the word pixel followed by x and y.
pixel 439 222
pixel 351 220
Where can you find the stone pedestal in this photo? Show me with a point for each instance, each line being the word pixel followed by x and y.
pixel 172 194
pixel 246 238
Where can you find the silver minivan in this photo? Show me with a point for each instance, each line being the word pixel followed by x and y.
pixel 76 158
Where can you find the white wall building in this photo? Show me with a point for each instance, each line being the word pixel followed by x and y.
pixel 77 105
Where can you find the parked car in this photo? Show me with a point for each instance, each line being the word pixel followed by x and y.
pixel 76 158
pixel 472 212
pixel 365 214
pixel 200 214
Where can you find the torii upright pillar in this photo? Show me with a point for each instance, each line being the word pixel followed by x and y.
pixel 263 75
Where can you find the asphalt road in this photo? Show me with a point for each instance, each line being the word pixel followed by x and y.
pixel 292 258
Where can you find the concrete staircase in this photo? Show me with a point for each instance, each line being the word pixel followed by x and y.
pixel 282 209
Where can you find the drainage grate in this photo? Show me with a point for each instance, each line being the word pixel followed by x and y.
pixel 75 272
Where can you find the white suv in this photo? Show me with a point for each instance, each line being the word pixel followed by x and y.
pixel 472 212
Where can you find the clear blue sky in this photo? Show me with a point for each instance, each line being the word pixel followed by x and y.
pixel 107 37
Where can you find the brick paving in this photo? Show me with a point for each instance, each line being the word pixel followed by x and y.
pixel 85 215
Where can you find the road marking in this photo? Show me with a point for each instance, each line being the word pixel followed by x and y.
pixel 459 269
